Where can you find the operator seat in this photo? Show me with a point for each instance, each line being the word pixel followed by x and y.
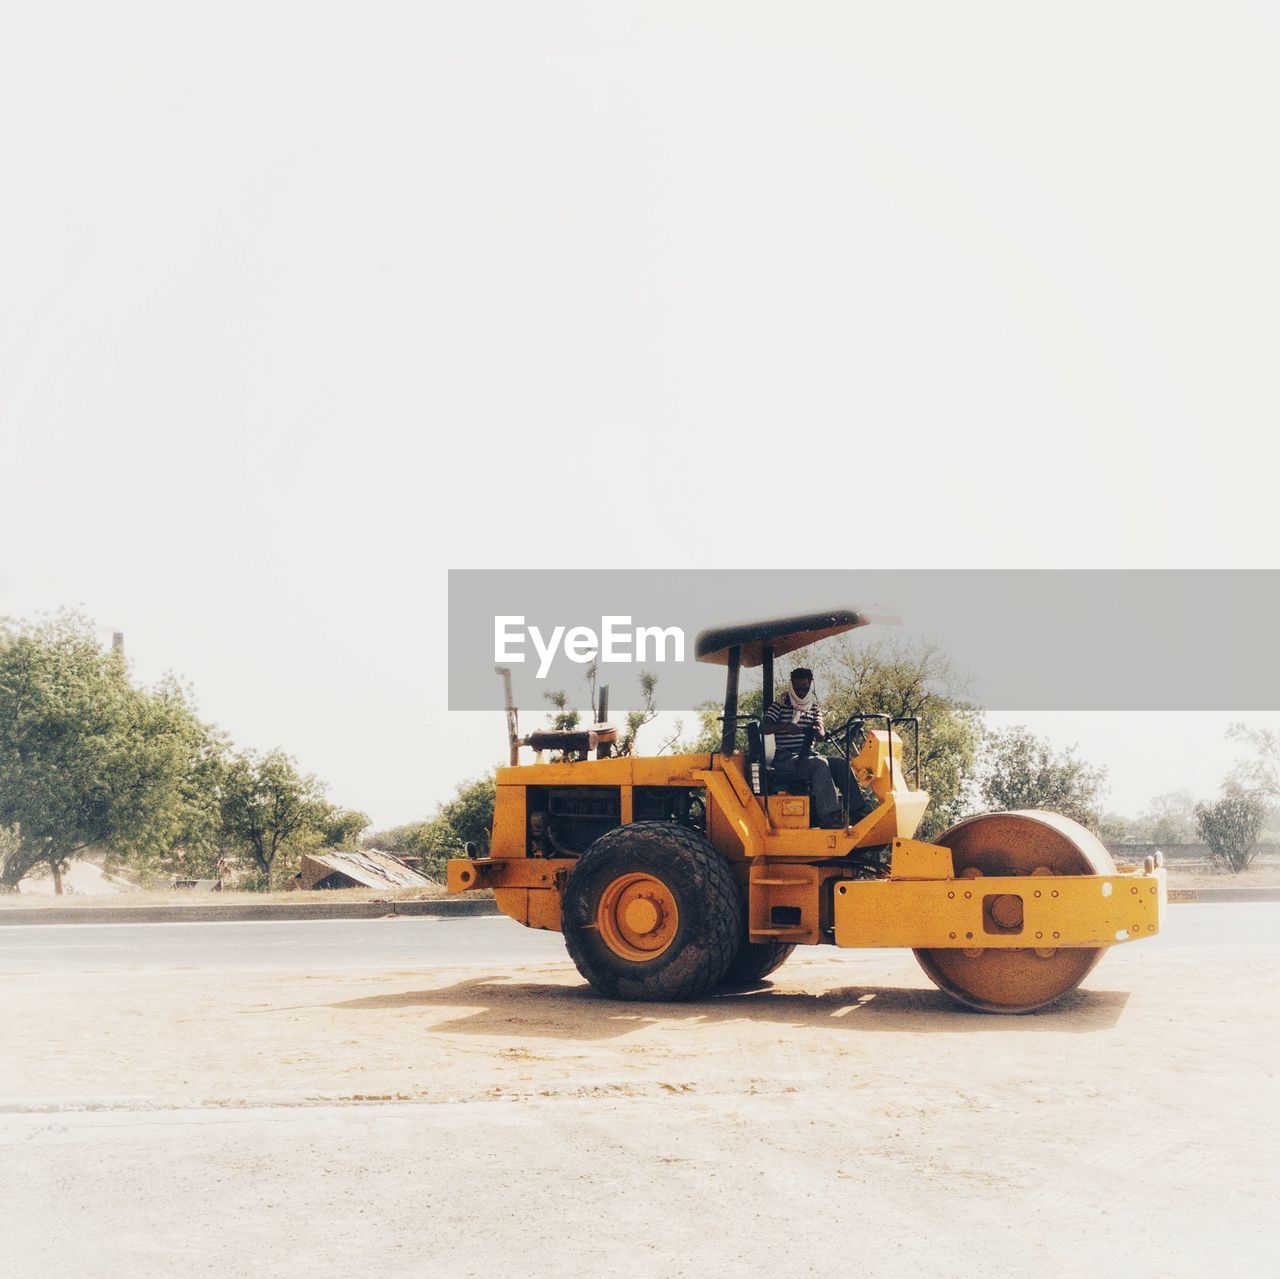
pixel 760 751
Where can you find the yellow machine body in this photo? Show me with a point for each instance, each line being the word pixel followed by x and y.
pixel 799 886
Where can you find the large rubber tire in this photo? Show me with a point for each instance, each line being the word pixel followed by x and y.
pixel 699 924
pixel 755 960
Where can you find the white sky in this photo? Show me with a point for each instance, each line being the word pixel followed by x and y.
pixel 301 306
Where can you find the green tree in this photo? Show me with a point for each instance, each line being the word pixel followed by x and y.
pixel 1019 770
pixel 644 714
pixel 1115 828
pixel 1231 826
pixel 707 737
pixel 88 760
pixel 561 716
pixel 1259 772
pixel 467 817
pixel 267 807
pixel 342 828
pixel 10 846
pixel 910 678
pixel 200 844
pixel 1169 819
pixel 469 814
pixel 403 840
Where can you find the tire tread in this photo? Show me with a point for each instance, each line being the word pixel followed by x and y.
pixel 717 896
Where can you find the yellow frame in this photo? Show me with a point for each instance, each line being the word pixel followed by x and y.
pixel 920 904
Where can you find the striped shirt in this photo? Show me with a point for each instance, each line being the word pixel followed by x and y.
pixel 790 736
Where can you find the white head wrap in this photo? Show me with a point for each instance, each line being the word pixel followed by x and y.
pixel 801 706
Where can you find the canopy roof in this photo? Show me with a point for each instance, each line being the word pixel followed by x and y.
pixel 783 635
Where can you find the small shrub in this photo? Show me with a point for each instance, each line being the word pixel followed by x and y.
pixel 1231 826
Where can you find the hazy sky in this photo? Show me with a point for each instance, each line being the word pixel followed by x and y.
pixel 301 306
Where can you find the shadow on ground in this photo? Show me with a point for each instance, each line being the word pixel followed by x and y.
pixel 494 1006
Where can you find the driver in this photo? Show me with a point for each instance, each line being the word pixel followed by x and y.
pixel 793 715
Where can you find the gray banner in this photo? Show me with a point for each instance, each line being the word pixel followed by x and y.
pixel 1020 640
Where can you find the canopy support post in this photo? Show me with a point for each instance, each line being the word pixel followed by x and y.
pixel 729 737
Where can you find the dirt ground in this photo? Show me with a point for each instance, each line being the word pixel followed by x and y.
pixel 1203 875
pixel 845 1119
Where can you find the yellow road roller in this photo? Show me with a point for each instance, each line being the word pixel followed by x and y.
pixel 674 876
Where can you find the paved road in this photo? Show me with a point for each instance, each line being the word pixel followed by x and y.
pixel 406 944
pixel 344 945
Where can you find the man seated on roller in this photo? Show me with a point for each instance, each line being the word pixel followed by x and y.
pixel 793 715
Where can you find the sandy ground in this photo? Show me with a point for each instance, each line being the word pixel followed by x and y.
pixel 472 1122
pixel 1201 875
pixel 82 879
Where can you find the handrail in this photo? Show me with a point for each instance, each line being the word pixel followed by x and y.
pixel 846 730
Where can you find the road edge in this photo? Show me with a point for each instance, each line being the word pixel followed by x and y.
pixel 274 912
